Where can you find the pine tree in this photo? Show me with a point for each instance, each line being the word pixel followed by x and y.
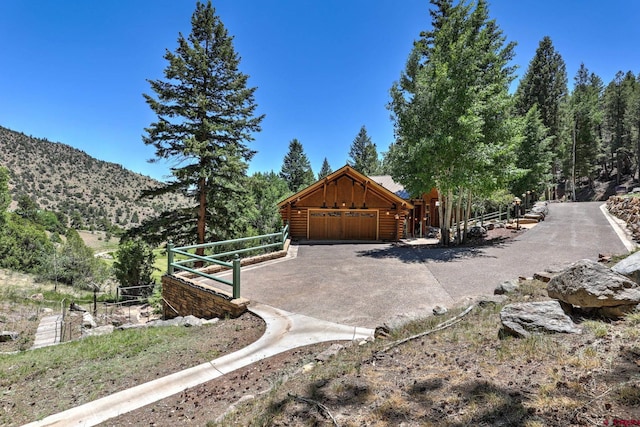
pixel 205 118
pixel 363 154
pixel 452 110
pixel 586 118
pixel 617 129
pixel 325 170
pixel 534 155
pixel 545 84
pixel 634 122
pixel 296 168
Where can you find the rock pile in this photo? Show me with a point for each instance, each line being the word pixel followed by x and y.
pixel 586 288
pixel 627 208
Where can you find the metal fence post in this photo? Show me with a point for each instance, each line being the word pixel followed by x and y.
pixel 236 277
pixel 170 257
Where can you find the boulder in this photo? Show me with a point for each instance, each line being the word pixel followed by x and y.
pixel 37 297
pixel 507 287
pixel 630 267
pixel 87 321
pixel 8 336
pixel 524 319
pixel 587 283
pixel 477 231
pixel 439 310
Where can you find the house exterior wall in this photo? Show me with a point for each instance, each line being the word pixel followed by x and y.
pixel 351 202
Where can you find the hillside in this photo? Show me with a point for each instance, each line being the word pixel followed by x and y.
pixel 92 193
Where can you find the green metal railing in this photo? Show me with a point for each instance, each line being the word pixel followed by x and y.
pixel 273 240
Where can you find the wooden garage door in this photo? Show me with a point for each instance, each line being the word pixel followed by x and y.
pixel 343 225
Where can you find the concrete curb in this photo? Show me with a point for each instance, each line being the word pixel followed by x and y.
pixel 284 331
pixel 620 228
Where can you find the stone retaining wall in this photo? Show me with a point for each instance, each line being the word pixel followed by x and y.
pixel 183 297
pixel 627 208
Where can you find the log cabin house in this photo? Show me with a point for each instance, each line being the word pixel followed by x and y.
pixel 347 205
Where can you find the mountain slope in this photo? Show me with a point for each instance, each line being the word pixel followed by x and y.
pixel 92 193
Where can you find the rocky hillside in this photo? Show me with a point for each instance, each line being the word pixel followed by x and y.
pixel 91 192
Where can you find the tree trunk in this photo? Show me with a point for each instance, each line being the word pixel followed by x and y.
pixel 458 219
pixel 202 217
pixel 467 215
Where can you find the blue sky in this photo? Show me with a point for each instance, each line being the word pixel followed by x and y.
pixel 74 71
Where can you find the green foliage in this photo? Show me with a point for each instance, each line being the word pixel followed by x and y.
pixel 134 266
pixel 364 155
pixel 267 189
pixel 296 168
pixel 544 85
pixel 205 115
pixel 24 245
pixel 534 155
pixel 586 119
pixel 325 169
pixel 74 264
pixel 452 108
pixel 5 197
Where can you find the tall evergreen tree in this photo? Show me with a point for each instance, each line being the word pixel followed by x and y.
pixel 545 84
pixel 617 129
pixel 452 109
pixel 363 154
pixel 634 122
pixel 325 169
pixel 534 155
pixel 296 168
pixel 267 190
pixel 586 118
pixel 205 118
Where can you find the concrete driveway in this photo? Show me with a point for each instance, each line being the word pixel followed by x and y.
pixel 371 284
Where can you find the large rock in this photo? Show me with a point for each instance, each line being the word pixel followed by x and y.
pixel 524 319
pixel 587 284
pixel 630 267
pixel 87 321
pixel 507 287
pixel 8 336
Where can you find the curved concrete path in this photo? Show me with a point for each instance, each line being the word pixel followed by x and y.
pixel 284 331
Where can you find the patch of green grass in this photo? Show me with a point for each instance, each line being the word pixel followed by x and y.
pixel 599 329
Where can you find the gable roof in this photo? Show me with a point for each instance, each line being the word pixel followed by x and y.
pixel 347 170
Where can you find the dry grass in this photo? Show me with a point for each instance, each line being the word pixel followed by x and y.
pixel 468 375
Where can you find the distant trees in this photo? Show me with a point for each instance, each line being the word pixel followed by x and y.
pixel 267 189
pixel 5 197
pixel 585 122
pixel 205 114
pixel 296 168
pixel 617 130
pixel 325 169
pixel 74 264
pixel 452 110
pixel 134 266
pixel 534 155
pixel 363 154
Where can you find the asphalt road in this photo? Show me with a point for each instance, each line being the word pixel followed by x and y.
pixel 371 284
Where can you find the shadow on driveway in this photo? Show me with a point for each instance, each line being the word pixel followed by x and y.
pixel 434 253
